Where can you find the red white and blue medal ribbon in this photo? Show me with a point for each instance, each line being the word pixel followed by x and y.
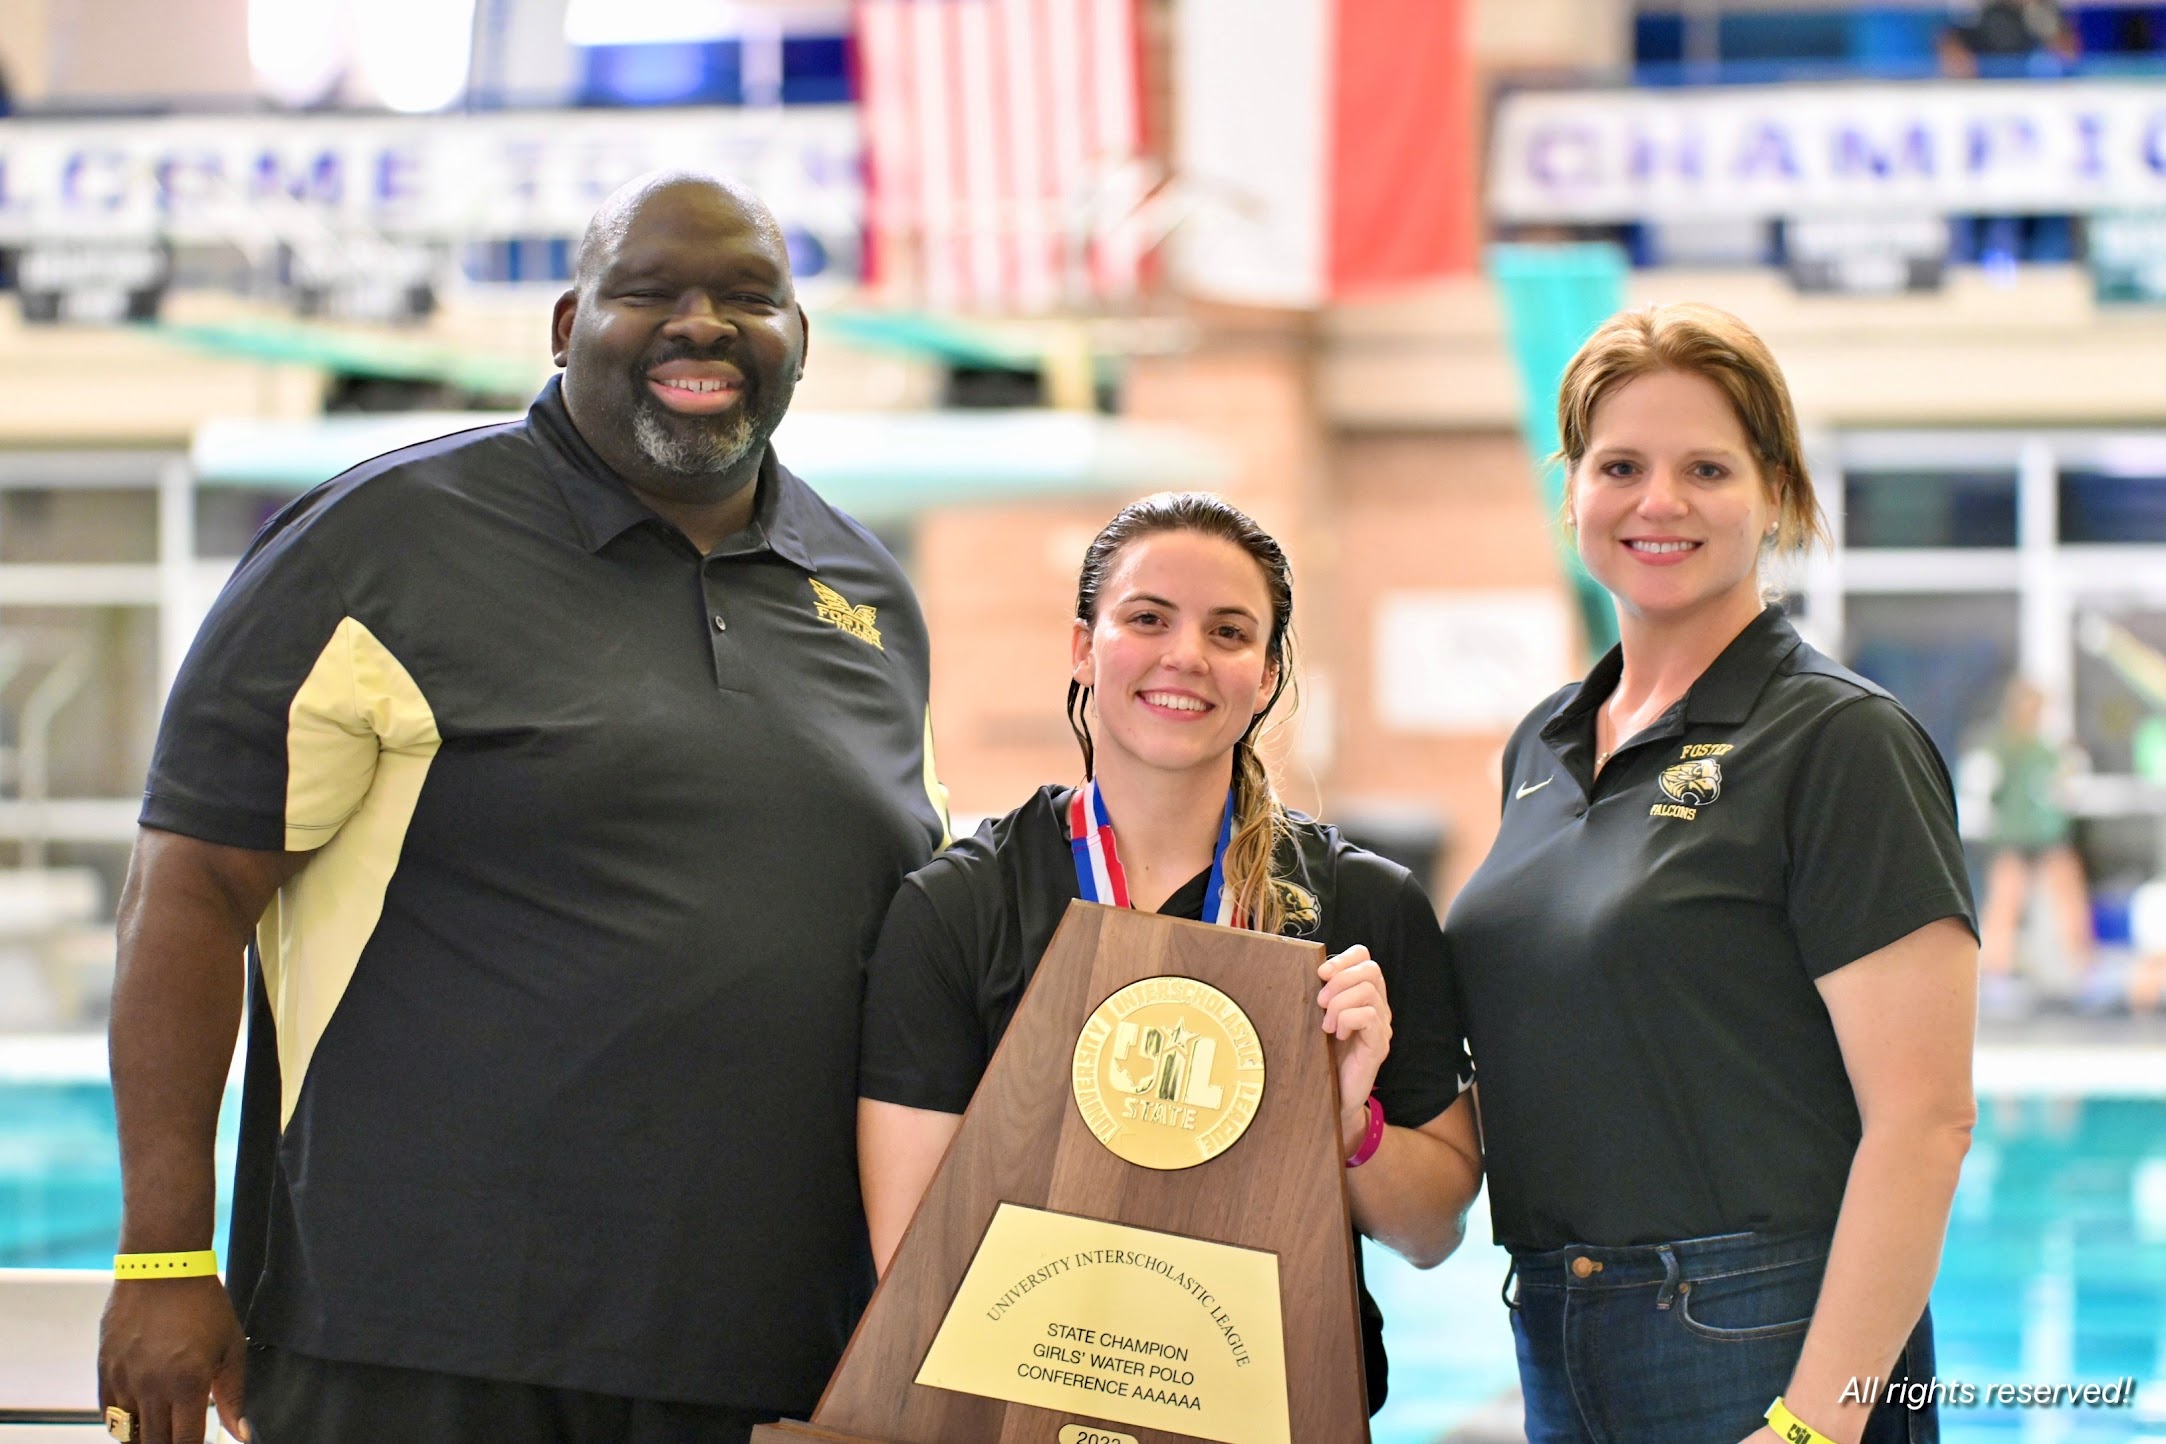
pixel 1098 874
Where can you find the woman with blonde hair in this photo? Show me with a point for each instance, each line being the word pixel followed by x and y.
pixel 1720 966
pixel 1179 651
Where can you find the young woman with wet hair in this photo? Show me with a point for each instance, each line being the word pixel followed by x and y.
pixel 1720 966
pixel 1180 649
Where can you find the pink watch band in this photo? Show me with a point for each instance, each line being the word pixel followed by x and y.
pixel 1371 1138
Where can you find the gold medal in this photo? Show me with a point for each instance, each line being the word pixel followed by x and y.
pixel 1168 1072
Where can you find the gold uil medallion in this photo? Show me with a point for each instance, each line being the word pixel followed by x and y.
pixel 1168 1072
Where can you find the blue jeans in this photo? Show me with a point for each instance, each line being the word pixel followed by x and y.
pixel 1680 1343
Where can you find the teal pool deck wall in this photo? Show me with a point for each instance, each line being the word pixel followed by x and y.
pixel 60 1155
pixel 2054 1273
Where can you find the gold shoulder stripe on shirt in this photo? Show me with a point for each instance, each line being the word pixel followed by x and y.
pixel 936 791
pixel 359 740
pixel 832 608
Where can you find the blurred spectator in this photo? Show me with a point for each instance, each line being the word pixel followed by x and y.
pixel 2005 35
pixel 2012 786
pixel 2147 930
pixel 2003 38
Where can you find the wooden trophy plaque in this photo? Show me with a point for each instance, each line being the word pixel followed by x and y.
pixel 1140 1233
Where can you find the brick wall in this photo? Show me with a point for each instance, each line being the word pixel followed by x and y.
pixel 1430 511
pixel 998 586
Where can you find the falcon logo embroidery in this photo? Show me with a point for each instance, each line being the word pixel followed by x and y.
pixel 1697 782
pixel 836 611
pixel 1300 905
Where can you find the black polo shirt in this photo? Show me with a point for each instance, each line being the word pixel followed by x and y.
pixel 964 936
pixel 553 1041
pixel 1638 953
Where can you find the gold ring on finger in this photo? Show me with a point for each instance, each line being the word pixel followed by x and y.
pixel 119 1423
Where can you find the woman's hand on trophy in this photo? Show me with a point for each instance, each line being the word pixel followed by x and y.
pixel 1358 1014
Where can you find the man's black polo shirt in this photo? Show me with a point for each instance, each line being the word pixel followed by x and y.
pixel 553 1042
pixel 1638 952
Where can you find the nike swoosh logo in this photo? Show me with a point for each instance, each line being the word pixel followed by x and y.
pixel 1533 787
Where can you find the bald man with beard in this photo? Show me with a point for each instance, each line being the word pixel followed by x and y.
pixel 553 777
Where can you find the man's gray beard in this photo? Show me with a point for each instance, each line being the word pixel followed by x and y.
pixel 699 453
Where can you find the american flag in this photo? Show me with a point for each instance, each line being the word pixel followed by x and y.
pixel 1004 141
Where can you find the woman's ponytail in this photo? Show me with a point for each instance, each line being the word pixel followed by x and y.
pixel 1260 827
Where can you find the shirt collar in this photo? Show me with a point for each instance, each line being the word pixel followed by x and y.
pixel 1723 695
pixel 603 508
pixel 1733 681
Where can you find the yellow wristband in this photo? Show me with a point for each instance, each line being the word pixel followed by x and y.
pixel 1790 1428
pixel 165 1265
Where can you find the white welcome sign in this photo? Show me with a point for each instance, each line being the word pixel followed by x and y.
pixel 440 177
pixel 1949 148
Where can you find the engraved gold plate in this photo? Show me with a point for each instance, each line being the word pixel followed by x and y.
pixel 1124 1324
pixel 1168 1072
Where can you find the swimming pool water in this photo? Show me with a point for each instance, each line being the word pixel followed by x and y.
pixel 2055 1269
pixel 2054 1273
pixel 60 1173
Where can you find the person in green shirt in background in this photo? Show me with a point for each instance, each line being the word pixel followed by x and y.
pixel 2027 833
